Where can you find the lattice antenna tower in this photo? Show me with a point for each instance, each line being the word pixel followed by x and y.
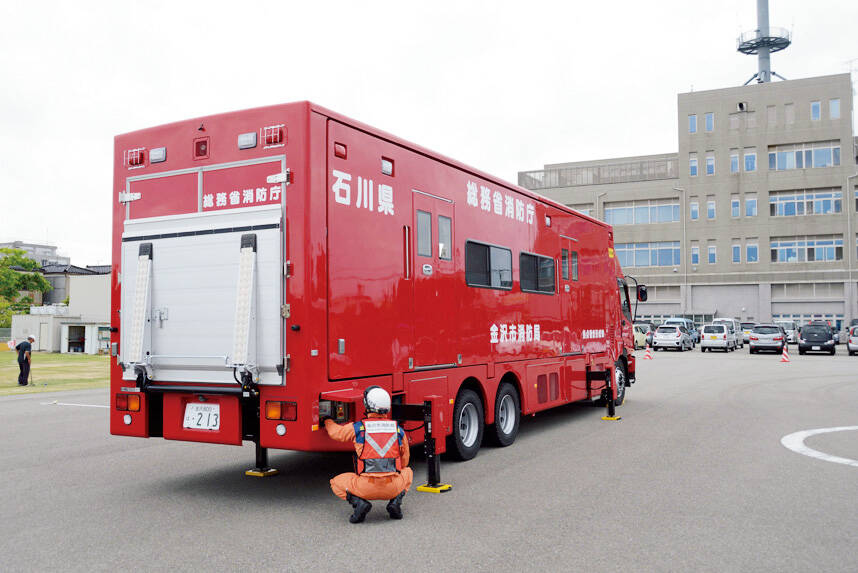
pixel 763 42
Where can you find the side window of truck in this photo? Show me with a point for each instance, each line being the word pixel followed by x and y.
pixel 564 264
pixel 445 238
pixel 536 273
pixel 424 234
pixel 488 266
pixel 574 265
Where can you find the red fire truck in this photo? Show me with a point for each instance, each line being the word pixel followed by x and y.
pixel 270 264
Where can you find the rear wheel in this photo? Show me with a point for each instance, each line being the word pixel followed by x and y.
pixel 507 416
pixel 468 425
pixel 702 349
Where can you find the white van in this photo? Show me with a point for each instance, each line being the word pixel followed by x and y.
pixel 791 329
pixel 688 324
pixel 735 326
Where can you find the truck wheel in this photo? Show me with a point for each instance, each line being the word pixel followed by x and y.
pixel 468 424
pixel 507 416
pixel 620 383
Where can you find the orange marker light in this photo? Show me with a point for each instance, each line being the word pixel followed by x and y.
pixel 273 410
pixel 133 403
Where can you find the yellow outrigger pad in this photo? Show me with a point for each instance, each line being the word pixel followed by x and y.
pixel 262 473
pixel 612 418
pixel 441 488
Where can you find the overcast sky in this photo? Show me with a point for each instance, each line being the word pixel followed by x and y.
pixel 504 86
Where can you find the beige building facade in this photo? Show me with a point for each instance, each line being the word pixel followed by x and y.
pixel 754 217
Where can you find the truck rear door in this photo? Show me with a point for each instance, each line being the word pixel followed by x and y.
pixel 201 278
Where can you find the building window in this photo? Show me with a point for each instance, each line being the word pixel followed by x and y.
pixel 737 253
pixel 536 273
pixel 750 119
pixel 710 209
pixel 771 115
pixel 692 164
pixel 734 206
pixel 710 121
pixel 824 248
pixel 750 160
pixel 695 210
pixel 804 155
pixel 834 109
pixel 734 162
pixel 814 110
pixel 642 212
pixel 789 113
pixel 713 255
pixel 805 202
pixel 695 255
pixel 750 205
pixel 663 254
pixel 751 252
pixel 487 266
pixel 692 123
pixel 710 165
pixel 583 209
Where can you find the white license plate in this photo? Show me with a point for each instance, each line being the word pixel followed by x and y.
pixel 202 416
pixel 816 348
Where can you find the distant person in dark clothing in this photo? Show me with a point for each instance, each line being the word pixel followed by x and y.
pixel 24 349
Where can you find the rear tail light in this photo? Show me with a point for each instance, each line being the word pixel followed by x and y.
pixel 128 402
pixel 779 338
pixel 754 338
pixel 281 411
pixel 273 134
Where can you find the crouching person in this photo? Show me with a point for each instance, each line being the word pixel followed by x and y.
pixel 382 458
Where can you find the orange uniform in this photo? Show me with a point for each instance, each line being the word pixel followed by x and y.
pixel 380 485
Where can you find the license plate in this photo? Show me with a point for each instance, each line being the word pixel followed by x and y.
pixel 816 348
pixel 714 337
pixel 202 416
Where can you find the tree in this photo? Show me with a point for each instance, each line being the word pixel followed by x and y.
pixel 13 281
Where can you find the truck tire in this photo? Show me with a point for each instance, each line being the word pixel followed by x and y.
pixel 620 382
pixel 468 425
pixel 507 416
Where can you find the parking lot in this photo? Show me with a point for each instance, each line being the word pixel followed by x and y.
pixel 694 477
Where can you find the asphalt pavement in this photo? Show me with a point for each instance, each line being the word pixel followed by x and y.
pixel 694 477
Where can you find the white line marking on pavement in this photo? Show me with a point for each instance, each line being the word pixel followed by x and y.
pixel 55 403
pixel 795 442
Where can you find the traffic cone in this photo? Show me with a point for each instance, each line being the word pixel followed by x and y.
pixel 648 355
pixel 785 355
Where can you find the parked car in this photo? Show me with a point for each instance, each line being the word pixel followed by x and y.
pixel 649 328
pixel 826 324
pixel 791 329
pixel 747 327
pixel 689 326
pixel 815 338
pixel 735 326
pixel 767 337
pixel 717 336
pixel 672 336
pixel 852 341
pixel 640 336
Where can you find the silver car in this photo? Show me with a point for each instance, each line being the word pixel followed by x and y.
pixel 672 336
pixel 767 337
pixel 717 336
pixel 791 329
pixel 852 341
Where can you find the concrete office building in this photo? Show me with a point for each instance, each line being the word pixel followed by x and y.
pixel 753 218
pixel 42 254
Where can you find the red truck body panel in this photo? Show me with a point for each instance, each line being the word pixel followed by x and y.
pixel 373 239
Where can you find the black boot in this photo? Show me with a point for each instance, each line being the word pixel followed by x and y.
pixel 394 506
pixel 361 506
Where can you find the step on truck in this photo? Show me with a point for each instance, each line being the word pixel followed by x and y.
pixel 270 264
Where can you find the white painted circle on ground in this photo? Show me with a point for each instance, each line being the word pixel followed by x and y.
pixel 795 442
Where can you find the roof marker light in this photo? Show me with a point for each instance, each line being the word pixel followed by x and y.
pixel 157 155
pixel 247 140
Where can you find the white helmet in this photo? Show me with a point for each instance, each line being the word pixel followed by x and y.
pixel 376 399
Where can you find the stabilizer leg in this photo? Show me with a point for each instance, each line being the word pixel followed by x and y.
pixel 261 469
